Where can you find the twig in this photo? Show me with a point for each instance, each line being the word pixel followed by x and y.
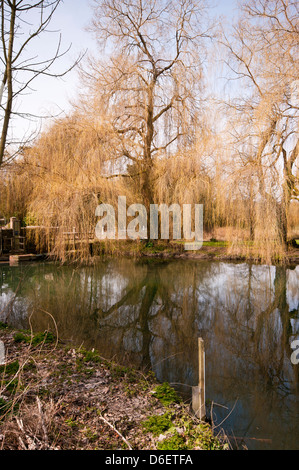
pixel 22 443
pixel 117 432
pixel 42 421
pixel 218 425
pixel 31 443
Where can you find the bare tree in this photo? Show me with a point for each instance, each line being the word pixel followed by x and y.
pixel 18 66
pixel 151 82
pixel 264 54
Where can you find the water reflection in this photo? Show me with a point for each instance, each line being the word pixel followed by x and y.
pixel 151 314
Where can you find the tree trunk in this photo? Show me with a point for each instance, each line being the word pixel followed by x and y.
pixel 146 186
pixel 7 80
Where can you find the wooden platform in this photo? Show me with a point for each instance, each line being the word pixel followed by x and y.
pixel 17 259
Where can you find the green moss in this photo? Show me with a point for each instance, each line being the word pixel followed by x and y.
pixel 12 386
pixel 20 338
pixel 72 423
pixel 30 366
pixel 119 372
pixel 91 356
pixel 192 435
pixel 201 437
pixel 40 338
pixel 166 394
pixel 174 442
pixel 158 424
pixel 204 438
pixel 91 435
pixel 10 368
pixel 46 337
pixel 84 360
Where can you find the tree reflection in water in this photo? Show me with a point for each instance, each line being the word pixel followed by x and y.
pixel 151 314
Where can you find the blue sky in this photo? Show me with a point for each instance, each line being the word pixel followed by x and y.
pixel 71 19
pixel 51 95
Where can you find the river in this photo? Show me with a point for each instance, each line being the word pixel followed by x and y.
pixel 150 314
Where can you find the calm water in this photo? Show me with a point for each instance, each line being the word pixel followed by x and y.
pixel 151 314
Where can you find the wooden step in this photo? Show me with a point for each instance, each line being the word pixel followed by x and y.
pixel 16 259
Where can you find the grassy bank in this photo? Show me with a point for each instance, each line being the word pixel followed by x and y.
pixel 213 249
pixel 53 396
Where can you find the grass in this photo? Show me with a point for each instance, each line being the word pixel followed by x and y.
pixel 215 243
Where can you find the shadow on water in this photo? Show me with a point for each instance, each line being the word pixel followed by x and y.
pixel 150 314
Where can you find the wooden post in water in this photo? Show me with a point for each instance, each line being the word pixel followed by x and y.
pixel 198 393
pixel 14 260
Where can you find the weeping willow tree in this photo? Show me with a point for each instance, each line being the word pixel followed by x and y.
pixel 263 54
pixel 143 130
pixel 196 176
pixel 66 168
pixel 70 171
pixel 15 190
pixel 60 181
pixel 151 81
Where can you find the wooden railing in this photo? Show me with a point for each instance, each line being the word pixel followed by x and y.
pixel 10 242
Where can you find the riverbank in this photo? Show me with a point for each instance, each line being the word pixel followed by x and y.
pixel 211 251
pixel 218 252
pixel 57 397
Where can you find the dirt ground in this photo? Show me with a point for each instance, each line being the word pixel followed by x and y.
pixel 54 397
